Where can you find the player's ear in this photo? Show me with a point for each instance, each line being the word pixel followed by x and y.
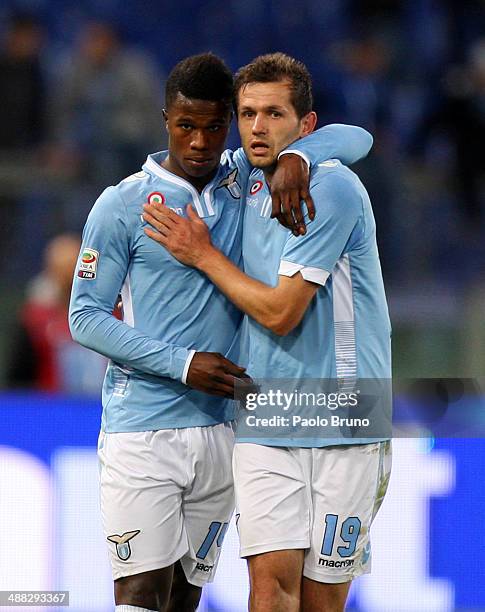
pixel 165 115
pixel 308 123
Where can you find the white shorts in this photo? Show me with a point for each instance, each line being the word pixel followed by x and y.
pixel 322 500
pixel 166 495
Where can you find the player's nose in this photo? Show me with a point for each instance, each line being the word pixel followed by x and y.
pixel 259 125
pixel 199 140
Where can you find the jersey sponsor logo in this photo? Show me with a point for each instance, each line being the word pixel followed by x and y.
pixel 231 184
pixel 255 187
pixel 88 264
pixel 123 549
pixel 156 198
pixel 332 563
pixel 204 568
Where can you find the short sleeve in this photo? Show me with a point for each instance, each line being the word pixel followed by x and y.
pixel 339 208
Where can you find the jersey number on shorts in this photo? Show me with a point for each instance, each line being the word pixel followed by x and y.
pixel 349 532
pixel 215 529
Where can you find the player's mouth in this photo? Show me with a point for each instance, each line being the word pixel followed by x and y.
pixel 200 162
pixel 259 148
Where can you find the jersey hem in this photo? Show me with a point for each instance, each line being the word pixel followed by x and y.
pixel 167 425
pixel 289 443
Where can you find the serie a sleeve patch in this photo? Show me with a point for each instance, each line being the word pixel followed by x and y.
pixel 88 264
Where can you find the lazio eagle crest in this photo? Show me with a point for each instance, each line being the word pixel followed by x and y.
pixel 122 542
pixel 231 184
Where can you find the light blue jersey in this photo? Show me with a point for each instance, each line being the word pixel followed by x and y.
pixel 170 310
pixel 345 332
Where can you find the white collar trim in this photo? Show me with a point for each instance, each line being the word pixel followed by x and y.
pixel 157 169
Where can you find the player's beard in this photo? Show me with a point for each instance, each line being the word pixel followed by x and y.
pixel 263 163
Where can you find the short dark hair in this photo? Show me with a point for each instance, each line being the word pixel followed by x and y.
pixel 201 77
pixel 275 67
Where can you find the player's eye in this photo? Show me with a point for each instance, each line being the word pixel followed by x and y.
pixel 247 114
pixel 275 114
pixel 214 128
pixel 185 126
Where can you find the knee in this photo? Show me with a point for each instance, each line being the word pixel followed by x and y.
pixel 274 584
pixel 149 590
pixel 276 580
pixel 185 602
pixel 272 590
pixel 184 596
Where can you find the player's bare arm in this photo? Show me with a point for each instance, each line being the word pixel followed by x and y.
pixel 279 308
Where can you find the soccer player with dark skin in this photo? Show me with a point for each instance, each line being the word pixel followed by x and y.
pixel 197 134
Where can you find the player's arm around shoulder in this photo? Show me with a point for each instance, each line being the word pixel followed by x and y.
pixel 308 264
pixel 189 241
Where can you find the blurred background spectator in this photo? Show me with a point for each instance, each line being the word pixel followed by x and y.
pixel 459 116
pixel 22 85
pixel 22 116
pixel 106 106
pixel 43 355
pixel 413 73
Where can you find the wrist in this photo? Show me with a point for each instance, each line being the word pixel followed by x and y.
pixel 290 152
pixel 207 259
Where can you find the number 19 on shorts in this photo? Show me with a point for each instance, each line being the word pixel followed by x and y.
pixel 349 532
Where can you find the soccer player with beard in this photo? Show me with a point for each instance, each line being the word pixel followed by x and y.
pixel 316 310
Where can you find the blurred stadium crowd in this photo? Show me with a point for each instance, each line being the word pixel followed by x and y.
pixel 81 95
